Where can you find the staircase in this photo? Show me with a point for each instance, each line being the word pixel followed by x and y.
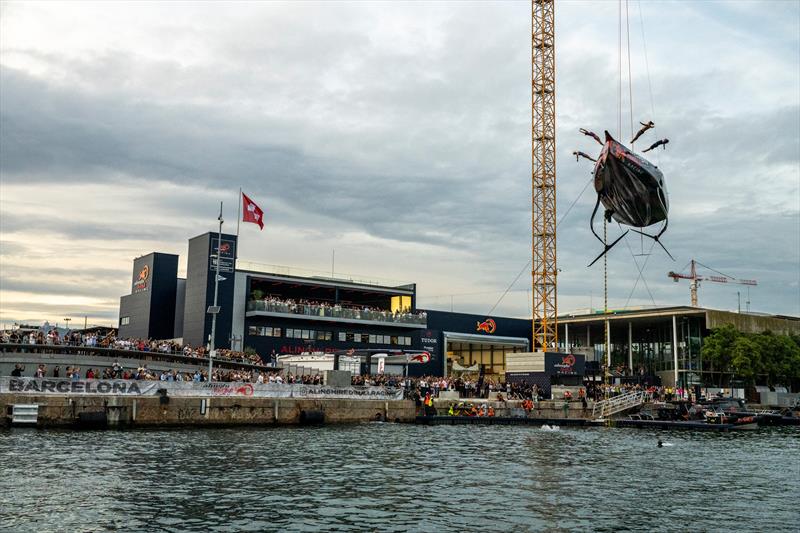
pixel 617 404
pixel 24 414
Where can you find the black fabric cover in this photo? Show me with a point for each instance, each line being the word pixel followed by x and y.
pixel 631 187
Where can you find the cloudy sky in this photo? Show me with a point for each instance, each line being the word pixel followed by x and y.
pixel 396 134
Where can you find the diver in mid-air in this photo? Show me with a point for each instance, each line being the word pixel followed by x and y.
pixel 578 155
pixel 662 142
pixel 650 124
pixel 593 135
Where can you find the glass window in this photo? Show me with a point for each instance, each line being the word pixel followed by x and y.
pixel 124 321
pixel 342 336
pixel 373 339
pixel 306 334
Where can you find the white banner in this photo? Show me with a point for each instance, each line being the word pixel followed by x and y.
pixel 190 389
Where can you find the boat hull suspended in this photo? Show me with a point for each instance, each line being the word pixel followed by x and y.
pixel 631 188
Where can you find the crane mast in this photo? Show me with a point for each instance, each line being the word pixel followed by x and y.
pixel 543 89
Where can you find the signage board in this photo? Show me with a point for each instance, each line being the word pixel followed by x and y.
pixel 226 254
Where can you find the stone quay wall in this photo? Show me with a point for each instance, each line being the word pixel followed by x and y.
pixel 154 411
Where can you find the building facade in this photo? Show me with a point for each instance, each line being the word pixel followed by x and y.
pixel 276 314
pixel 664 341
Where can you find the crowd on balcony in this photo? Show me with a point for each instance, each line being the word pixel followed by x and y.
pixel 93 340
pixel 323 308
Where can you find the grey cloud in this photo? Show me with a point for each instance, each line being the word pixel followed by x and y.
pixel 429 147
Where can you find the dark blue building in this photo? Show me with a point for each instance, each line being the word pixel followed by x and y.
pixel 274 313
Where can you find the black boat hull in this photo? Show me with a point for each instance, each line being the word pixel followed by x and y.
pixel 631 188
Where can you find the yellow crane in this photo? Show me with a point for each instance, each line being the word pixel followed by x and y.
pixel 544 269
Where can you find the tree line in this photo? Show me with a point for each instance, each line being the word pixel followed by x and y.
pixel 755 358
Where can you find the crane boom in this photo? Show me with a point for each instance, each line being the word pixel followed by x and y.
pixel 695 280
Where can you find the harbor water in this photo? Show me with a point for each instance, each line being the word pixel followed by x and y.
pixel 393 477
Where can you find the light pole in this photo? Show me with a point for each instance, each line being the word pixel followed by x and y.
pixel 214 309
pixel 67 321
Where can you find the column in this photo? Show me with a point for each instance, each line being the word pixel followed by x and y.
pixel 630 346
pixel 566 337
pixel 608 345
pixel 675 348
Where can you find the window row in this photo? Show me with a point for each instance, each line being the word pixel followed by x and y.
pixel 395 340
pixel 309 334
pixel 344 336
pixel 261 331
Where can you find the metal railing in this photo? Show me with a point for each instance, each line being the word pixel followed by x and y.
pixel 617 404
pixel 112 354
pixel 335 311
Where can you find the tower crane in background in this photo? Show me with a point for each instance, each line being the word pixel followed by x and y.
pixel 695 279
pixel 543 147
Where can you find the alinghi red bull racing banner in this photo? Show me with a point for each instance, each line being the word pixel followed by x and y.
pixel 102 387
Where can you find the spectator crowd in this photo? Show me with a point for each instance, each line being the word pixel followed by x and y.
pixel 322 308
pixel 93 340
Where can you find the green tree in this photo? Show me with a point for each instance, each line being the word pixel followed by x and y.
pixel 718 348
pixel 745 358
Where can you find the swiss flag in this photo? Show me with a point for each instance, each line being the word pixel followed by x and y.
pixel 251 212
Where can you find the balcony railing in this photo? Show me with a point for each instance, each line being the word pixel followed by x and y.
pixel 336 311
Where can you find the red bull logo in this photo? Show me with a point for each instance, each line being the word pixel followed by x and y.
pixel 423 357
pixel 224 248
pixel 141 279
pixel 568 360
pixel 487 326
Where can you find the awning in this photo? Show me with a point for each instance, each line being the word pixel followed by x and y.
pixel 485 339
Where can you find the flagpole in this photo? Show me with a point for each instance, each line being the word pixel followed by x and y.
pixel 238 220
pixel 215 311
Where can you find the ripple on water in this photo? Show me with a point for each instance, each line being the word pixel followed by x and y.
pixel 398 478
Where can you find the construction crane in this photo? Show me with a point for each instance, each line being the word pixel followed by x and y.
pixel 695 279
pixel 543 88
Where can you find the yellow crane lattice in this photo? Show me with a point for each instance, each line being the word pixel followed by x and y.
pixel 543 85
